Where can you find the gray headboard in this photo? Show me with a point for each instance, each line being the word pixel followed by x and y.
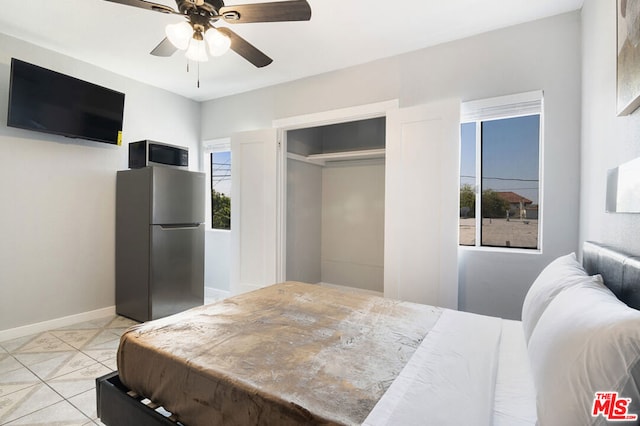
pixel 620 270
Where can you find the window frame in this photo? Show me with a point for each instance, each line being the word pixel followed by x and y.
pixel 208 148
pixel 501 108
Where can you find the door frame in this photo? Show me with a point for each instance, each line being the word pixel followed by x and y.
pixel 283 125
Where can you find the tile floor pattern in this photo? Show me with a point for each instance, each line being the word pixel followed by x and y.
pixel 49 378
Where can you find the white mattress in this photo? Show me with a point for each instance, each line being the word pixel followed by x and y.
pixel 470 369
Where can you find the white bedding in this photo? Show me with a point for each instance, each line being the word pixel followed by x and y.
pixel 470 369
pixel 515 397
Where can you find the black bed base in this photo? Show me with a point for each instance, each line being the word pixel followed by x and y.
pixel 117 406
pixel 620 270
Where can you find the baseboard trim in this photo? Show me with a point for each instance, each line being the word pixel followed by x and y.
pixel 216 293
pixel 353 289
pixel 39 327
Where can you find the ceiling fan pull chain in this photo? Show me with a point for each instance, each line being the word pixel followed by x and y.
pixel 198 75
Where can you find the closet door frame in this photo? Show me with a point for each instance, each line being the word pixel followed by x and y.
pixel 344 115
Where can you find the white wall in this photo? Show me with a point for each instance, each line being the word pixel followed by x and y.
pixel 540 55
pixel 58 195
pixel 607 140
pixel 217 251
pixel 335 223
pixel 353 225
pixel 304 222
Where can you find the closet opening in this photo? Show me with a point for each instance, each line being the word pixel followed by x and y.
pixel 335 202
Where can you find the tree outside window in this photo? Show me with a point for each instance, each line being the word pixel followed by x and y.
pixel 221 190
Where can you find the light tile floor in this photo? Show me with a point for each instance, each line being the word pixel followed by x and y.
pixel 49 378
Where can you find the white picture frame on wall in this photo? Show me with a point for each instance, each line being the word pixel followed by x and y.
pixel 628 56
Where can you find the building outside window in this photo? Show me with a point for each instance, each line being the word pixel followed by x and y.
pixel 500 172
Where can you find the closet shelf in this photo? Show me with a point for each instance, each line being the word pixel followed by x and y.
pixel 321 159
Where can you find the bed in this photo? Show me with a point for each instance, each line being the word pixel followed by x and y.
pixel 295 353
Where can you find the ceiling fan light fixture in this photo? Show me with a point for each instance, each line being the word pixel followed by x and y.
pixel 218 43
pixel 179 34
pixel 197 50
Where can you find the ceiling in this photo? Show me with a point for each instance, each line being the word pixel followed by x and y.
pixel 340 34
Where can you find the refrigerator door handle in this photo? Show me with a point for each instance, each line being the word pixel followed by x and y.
pixel 181 226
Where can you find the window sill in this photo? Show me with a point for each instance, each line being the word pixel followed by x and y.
pixel 213 230
pixel 502 250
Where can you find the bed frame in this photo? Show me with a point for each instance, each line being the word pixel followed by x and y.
pixel 620 270
pixel 117 406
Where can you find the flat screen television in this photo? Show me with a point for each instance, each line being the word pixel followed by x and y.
pixel 47 101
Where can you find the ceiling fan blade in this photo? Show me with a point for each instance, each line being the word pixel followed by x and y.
pixel 245 49
pixel 146 5
pixel 294 10
pixel 164 48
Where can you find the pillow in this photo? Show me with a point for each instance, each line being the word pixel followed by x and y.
pixel 560 274
pixel 586 341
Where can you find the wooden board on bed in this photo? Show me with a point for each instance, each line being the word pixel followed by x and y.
pixel 290 353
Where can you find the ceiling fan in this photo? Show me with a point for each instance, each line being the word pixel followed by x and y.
pixel 197 33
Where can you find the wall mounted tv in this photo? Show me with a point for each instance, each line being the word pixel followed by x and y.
pixel 47 101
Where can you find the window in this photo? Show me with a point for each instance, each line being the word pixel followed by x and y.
pixel 220 162
pixel 500 191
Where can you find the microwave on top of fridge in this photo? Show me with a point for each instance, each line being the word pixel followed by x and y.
pixel 151 153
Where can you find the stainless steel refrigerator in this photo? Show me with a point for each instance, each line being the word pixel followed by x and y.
pixel 159 241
